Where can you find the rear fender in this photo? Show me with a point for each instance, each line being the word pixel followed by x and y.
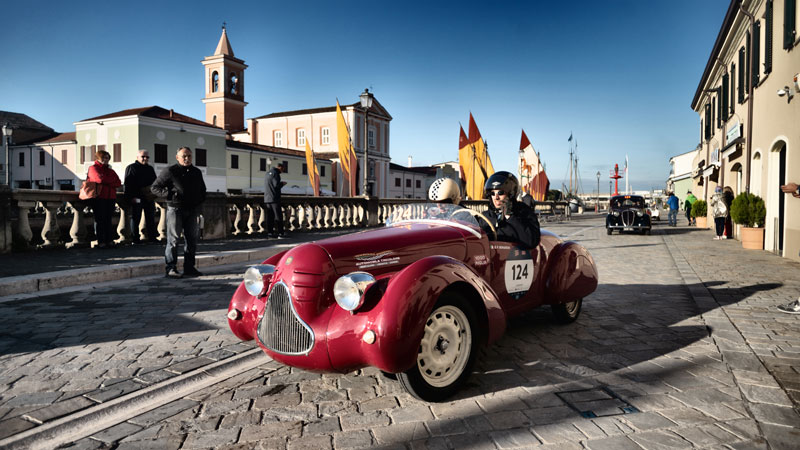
pixel 571 274
pixel 399 318
pixel 245 326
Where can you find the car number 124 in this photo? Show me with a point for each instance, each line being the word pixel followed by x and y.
pixel 518 272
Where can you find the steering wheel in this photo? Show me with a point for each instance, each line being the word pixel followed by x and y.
pixel 480 216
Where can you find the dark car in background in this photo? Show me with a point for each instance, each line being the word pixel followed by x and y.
pixel 628 212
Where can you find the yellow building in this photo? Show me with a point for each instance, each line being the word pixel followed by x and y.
pixel 750 114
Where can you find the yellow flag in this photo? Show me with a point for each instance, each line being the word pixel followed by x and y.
pixel 347 156
pixel 313 173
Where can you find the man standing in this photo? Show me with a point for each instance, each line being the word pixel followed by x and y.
pixel 272 200
pixel 672 216
pixel 185 191
pixel 138 178
pixel 687 205
pixel 791 307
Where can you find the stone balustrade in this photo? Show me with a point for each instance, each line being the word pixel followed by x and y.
pixel 32 218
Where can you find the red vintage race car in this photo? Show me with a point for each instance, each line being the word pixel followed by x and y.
pixel 415 298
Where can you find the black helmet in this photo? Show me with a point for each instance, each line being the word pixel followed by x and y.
pixel 505 181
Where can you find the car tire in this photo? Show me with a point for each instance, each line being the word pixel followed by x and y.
pixel 608 231
pixel 567 312
pixel 647 231
pixel 439 373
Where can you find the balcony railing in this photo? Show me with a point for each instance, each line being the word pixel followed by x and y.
pixel 32 218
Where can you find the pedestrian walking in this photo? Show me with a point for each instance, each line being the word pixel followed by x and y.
pixel 687 205
pixel 185 191
pixel 272 201
pixel 138 178
pixel 103 204
pixel 791 307
pixel 672 215
pixel 719 209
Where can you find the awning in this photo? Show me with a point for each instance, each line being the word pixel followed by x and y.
pixel 710 169
pixel 731 147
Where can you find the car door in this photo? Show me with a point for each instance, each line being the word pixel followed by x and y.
pixel 515 270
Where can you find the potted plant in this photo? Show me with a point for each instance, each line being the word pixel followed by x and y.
pixel 748 210
pixel 700 212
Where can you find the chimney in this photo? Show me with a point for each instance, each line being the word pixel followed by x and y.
pixel 409 160
pixel 170 113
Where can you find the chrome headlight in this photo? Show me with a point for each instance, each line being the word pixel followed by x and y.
pixel 256 279
pixel 639 213
pixel 615 213
pixel 349 289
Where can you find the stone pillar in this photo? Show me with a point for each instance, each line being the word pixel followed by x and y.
pixel 77 232
pixel 123 227
pixel 216 220
pixel 5 220
pixel 21 233
pixel 162 221
pixel 372 212
pixel 50 231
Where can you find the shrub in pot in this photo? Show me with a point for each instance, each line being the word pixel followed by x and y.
pixel 700 212
pixel 749 211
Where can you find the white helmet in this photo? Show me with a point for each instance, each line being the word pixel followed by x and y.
pixel 445 190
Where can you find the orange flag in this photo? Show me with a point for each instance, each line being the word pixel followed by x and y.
pixel 313 172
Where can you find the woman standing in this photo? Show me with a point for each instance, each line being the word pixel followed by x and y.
pixel 103 205
pixel 719 209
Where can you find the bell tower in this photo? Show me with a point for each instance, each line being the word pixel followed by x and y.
pixel 224 81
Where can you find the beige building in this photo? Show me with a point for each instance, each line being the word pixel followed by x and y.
pixel 224 103
pixel 750 114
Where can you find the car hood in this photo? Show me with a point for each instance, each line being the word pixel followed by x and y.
pixel 392 248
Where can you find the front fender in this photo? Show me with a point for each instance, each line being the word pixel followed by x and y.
pixel 571 274
pixel 245 327
pixel 398 318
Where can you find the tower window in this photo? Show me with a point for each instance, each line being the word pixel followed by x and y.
pixel 371 136
pixel 277 138
pixel 326 135
pixel 215 82
pixel 301 137
pixel 200 157
pixel 160 151
pixel 234 84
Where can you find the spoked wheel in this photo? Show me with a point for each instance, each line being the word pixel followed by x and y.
pixel 446 353
pixel 567 312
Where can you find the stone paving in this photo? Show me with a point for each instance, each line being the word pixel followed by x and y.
pixel 676 349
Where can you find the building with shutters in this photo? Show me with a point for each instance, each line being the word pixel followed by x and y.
pixel 680 174
pixel 749 110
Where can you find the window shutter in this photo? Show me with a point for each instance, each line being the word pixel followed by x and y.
pixel 725 97
pixel 708 121
pixel 733 89
pixel 747 66
pixel 768 39
pixel 756 52
pixel 719 107
pixel 789 32
pixel 83 154
pixel 741 75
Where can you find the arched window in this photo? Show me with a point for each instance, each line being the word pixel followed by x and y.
pixel 234 83
pixel 215 81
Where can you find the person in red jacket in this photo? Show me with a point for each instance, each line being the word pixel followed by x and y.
pixel 103 205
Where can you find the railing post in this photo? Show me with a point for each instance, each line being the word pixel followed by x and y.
pixel 262 218
pixel 251 219
pixel 22 233
pixel 162 222
pixel 50 231
pixel 237 220
pixel 77 232
pixel 123 228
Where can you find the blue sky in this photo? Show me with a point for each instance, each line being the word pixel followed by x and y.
pixel 618 75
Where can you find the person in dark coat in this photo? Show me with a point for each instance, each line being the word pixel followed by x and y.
pixel 794 306
pixel 185 191
pixel 514 221
pixel 138 178
pixel 272 201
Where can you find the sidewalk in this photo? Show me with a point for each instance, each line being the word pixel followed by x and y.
pixel 46 269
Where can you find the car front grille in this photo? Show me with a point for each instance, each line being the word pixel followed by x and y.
pixel 280 330
pixel 627 218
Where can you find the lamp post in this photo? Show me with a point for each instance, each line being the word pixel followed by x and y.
pixel 7 132
pixel 366 103
pixel 597 203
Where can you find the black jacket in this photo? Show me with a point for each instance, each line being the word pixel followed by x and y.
pixel 139 176
pixel 272 188
pixel 521 226
pixel 182 186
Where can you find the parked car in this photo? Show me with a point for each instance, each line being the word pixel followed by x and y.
pixel 415 298
pixel 628 212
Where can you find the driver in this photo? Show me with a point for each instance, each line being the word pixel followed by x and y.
pixel 514 221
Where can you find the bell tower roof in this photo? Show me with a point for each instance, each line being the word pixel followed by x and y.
pixel 224 46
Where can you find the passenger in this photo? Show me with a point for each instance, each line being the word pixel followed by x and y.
pixel 445 190
pixel 513 220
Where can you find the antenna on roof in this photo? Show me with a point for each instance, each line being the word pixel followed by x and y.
pixel 223 24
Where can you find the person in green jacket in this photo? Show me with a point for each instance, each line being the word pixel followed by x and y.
pixel 687 205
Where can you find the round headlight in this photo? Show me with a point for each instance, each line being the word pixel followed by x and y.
pixel 615 213
pixel 254 278
pixel 639 213
pixel 349 289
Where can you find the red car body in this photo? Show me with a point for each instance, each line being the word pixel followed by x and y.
pixel 413 263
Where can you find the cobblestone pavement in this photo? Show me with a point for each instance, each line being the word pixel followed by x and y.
pixel 676 349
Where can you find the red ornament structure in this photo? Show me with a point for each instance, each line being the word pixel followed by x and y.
pixel 616 176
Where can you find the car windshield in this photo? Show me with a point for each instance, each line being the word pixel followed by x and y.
pixel 434 213
pixel 627 202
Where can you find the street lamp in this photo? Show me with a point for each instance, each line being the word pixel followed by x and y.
pixel 366 103
pixel 597 203
pixel 7 132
